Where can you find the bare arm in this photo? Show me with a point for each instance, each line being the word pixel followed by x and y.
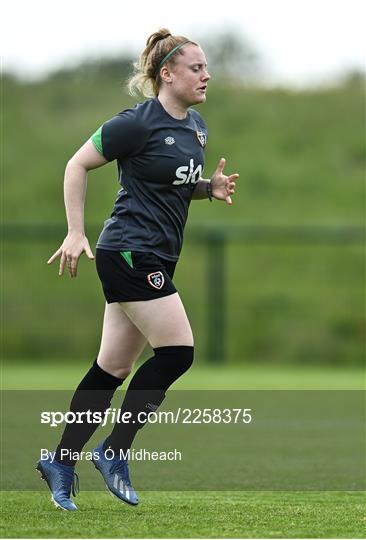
pixel 75 183
pixel 200 191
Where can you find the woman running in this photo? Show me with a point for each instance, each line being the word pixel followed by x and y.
pixel 159 149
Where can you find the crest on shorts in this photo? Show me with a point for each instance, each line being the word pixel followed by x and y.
pixel 156 280
pixel 202 139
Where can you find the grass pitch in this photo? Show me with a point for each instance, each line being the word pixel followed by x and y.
pixel 61 375
pixel 190 514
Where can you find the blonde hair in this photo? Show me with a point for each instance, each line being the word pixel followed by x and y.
pixel 146 78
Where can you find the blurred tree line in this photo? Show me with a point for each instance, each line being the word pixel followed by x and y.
pixel 301 156
pixel 230 57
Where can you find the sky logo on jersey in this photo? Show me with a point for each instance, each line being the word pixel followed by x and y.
pixel 156 280
pixel 187 174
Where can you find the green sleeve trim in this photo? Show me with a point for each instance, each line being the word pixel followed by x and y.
pixel 128 257
pixel 97 140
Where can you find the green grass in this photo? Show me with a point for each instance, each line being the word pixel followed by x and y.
pixel 301 161
pixel 300 154
pixel 59 375
pixel 203 514
pixel 189 514
pixel 283 303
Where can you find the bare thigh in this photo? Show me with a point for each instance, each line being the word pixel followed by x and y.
pixel 162 321
pixel 121 342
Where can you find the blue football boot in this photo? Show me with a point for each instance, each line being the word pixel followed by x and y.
pixel 61 480
pixel 115 474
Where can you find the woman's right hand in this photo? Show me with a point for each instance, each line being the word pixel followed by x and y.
pixel 69 252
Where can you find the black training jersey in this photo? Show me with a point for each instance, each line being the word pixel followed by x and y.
pixel 160 159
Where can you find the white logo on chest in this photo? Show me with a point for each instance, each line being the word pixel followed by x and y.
pixel 169 140
pixel 187 174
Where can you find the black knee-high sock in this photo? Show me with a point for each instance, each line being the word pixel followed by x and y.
pixel 94 394
pixel 147 389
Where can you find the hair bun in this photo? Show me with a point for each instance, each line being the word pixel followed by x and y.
pixel 160 44
pixel 161 34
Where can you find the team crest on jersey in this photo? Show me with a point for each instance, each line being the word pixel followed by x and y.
pixel 201 138
pixel 156 280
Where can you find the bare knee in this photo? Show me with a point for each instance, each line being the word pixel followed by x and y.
pixel 121 342
pixel 113 367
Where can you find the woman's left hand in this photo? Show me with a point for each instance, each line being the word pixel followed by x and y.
pixel 223 186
